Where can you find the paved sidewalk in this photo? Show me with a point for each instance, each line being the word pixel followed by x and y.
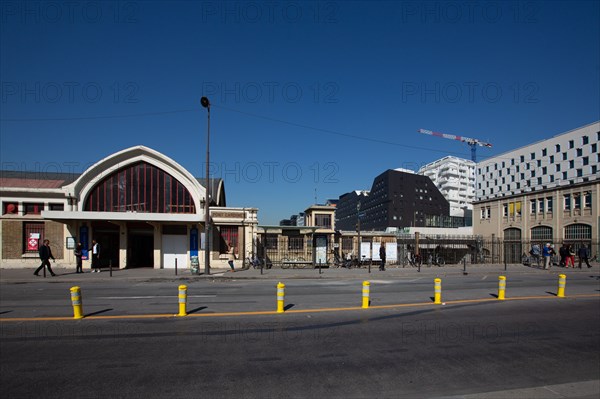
pixel 10 275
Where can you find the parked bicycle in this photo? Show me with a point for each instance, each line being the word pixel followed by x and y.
pixel 297 262
pixel 413 260
pixel 436 260
pixel 257 263
pixel 531 260
pixel 355 262
pixel 339 261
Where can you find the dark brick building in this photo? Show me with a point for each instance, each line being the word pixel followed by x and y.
pixel 396 199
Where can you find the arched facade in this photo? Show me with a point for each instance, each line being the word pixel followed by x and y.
pixel 143 208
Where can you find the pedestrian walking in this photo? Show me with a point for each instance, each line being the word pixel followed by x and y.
pixel 230 256
pixel 79 258
pixel 547 253
pixel 95 257
pixel 563 252
pixel 45 255
pixel 570 258
pixel 382 257
pixel 584 254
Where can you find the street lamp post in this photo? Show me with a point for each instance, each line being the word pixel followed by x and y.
pixel 358 229
pixel 206 104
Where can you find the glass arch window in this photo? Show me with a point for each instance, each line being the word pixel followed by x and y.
pixel 541 233
pixel 578 232
pixel 140 187
pixel 512 234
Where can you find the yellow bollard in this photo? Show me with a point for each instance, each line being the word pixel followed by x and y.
pixel 280 297
pixel 501 287
pixel 182 300
pixel 562 282
pixel 77 303
pixel 437 296
pixel 365 294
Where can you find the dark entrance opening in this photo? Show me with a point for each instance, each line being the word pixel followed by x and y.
pixel 140 245
pixel 107 235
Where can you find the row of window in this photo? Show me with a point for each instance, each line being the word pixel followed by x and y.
pixel 584 140
pixel 12 208
pixel 541 205
pixel 577 231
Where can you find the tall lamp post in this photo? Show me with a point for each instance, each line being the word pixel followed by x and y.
pixel 206 104
pixel 358 229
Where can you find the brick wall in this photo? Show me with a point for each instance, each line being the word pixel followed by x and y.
pixel 12 238
pixel 54 232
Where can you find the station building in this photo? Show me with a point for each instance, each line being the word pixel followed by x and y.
pixel 142 207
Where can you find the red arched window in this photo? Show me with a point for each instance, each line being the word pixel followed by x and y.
pixel 140 187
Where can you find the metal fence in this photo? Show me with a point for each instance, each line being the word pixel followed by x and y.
pixel 301 252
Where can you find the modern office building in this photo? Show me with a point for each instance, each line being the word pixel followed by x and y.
pixel 347 209
pixel 143 208
pixel 396 199
pixel 455 178
pixel 545 191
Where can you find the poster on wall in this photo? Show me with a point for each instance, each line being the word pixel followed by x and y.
pixel 391 251
pixel 33 241
pixel 376 246
pixel 365 250
pixel 84 240
pixel 194 242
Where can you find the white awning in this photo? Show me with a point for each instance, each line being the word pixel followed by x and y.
pixel 124 216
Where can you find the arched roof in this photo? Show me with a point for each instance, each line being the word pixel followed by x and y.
pixel 81 187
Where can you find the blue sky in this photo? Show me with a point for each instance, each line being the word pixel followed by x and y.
pixel 309 99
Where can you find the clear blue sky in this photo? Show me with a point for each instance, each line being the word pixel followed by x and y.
pixel 307 97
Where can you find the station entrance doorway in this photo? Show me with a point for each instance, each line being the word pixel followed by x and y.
pixel 106 235
pixel 140 245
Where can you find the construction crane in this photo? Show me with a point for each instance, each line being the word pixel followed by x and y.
pixel 473 143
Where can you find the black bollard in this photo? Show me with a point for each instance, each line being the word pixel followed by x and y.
pixel 110 267
pixel 176 266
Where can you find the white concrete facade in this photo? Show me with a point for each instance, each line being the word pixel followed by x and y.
pixel 455 178
pixel 565 159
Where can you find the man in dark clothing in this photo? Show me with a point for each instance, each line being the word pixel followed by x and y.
pixel 382 256
pixel 563 252
pixel 45 255
pixel 584 254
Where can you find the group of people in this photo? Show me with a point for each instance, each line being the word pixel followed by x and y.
pixel 45 253
pixel 566 253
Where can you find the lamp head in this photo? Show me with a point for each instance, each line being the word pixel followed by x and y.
pixel 205 103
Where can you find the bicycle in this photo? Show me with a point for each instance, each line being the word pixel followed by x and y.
pixel 436 260
pixel 529 260
pixel 414 260
pixel 297 262
pixel 257 263
pixel 338 261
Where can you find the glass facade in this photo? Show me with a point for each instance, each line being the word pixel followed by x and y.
pixel 140 187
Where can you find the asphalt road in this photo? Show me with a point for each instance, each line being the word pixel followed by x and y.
pixel 420 350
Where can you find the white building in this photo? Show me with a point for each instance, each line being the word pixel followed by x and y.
pixel 455 178
pixel 562 160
